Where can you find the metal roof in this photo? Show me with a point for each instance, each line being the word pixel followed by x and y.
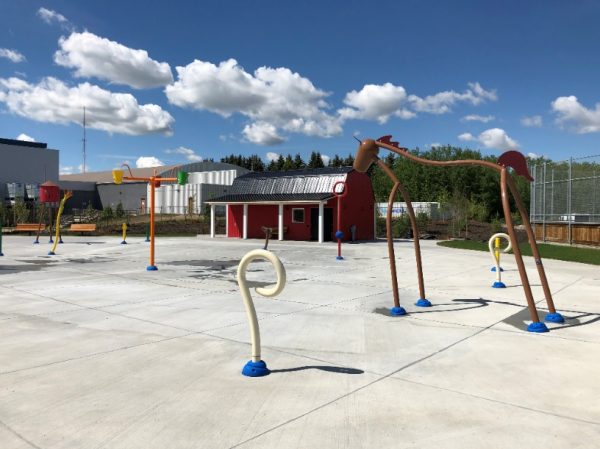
pixel 311 185
pixel 106 176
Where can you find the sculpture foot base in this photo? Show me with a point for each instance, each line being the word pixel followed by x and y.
pixel 494 269
pixel 397 311
pixel 255 369
pixel 36 243
pixel 123 242
pixel 151 268
pixel 554 318
pixel 422 302
pixel 339 258
pixel 537 327
pixel 498 284
pixel 51 253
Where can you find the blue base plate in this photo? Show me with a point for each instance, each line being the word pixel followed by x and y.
pixel 151 268
pixel 339 258
pixel 51 253
pixel 498 285
pixel 494 269
pixel 1 254
pixel 36 243
pixel 422 302
pixel 537 327
pixel 255 369
pixel 554 318
pixel 123 242
pixel 397 311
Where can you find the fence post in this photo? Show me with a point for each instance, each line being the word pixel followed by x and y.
pixel 569 194
pixel 544 205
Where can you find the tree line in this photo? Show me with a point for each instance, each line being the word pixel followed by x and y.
pixel 471 188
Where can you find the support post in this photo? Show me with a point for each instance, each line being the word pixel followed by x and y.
pixel 152 266
pixel 569 202
pixel 321 223
pixel 280 222
pixel 544 205
pixel 245 224
pixel 212 221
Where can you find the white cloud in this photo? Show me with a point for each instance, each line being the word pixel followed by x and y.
pixel 325 159
pixel 148 161
pixel 434 145
pixel 49 16
pixel 442 102
pixel 495 138
pixel 12 55
pixel 189 154
pixel 94 56
pixel 380 102
pixel 271 156
pixel 533 121
pixel 534 155
pixel 25 138
pixel 69 169
pixel 274 99
pixel 262 133
pixel 573 114
pixel 376 102
pixel 466 137
pixel 477 118
pixel 52 101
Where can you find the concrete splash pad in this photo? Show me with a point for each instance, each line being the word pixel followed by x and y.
pixel 98 352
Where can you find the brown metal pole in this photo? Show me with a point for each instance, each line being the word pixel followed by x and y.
pixel 532 241
pixel 515 246
pixel 390 244
pixel 413 222
pixel 152 267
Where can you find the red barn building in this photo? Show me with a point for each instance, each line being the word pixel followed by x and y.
pixel 299 204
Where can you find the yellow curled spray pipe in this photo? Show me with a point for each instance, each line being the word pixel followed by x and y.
pixel 124 242
pixel 494 246
pixel 68 194
pixel 255 366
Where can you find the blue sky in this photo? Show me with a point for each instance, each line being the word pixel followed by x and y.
pixel 179 81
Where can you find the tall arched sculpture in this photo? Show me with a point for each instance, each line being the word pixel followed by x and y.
pixel 367 154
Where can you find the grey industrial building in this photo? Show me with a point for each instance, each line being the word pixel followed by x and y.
pixel 23 167
pixel 26 165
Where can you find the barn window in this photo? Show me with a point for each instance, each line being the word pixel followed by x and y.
pixel 298 215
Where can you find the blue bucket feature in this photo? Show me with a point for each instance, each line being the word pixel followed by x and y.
pixel 255 369
pixel 397 311
pixel 537 327
pixel 554 318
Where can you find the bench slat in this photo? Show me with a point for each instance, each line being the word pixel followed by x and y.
pixel 82 227
pixel 29 227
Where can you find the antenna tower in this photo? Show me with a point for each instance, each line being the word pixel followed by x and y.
pixel 84 140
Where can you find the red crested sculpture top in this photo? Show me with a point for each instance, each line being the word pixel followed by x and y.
pixel 369 149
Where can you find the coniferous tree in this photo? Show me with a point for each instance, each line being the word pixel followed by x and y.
pixel 298 162
pixel 288 164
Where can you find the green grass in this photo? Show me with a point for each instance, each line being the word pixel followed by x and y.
pixel 558 252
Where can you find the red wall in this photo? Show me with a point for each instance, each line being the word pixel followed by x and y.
pixel 357 209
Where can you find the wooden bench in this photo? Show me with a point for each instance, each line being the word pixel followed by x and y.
pixel 271 231
pixel 82 227
pixel 29 227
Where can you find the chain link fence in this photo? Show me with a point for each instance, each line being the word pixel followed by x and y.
pixel 565 200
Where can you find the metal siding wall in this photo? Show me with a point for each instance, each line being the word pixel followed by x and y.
pixel 28 165
pixel 130 196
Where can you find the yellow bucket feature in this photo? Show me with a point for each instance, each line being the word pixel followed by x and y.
pixel 117 176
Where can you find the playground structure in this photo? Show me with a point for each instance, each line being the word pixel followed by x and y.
pixel 49 198
pixel 367 154
pixel 155 181
pixel 124 227
pixel 255 366
pixel 340 190
pixel 494 246
pixel 68 194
